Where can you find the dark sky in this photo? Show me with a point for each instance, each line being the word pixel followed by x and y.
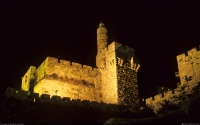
pixel 158 31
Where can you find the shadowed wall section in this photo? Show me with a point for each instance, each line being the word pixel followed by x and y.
pixel 113 81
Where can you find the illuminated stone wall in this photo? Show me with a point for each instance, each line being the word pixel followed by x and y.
pixel 113 81
pixel 189 66
pixel 28 79
pixel 107 66
pixel 127 67
pixel 118 78
pixel 118 67
pixel 189 74
pixel 67 80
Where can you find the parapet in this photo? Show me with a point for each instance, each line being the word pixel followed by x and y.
pixel 77 65
pixel 116 46
pixel 65 62
pixel 158 97
pixel 52 64
pixel 191 53
pixel 149 100
pixel 45 98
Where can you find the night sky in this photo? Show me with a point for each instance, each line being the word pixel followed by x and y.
pixel 158 31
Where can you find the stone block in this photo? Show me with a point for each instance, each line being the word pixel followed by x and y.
pixel 94 104
pixel 45 97
pixel 75 102
pixel 56 98
pixel 35 95
pixel 23 95
pixel 66 99
pixel 85 102
pixel 65 62
pixel 77 65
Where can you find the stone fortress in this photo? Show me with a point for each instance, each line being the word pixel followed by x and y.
pixel 114 81
pixel 189 75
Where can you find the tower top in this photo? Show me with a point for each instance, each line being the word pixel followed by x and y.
pixel 101 24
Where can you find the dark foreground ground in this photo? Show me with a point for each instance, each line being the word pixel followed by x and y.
pixel 13 111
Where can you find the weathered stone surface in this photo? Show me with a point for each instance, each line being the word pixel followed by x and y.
pixel 189 74
pixel 113 81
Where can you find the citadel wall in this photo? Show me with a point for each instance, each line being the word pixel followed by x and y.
pixel 114 81
pixel 106 64
pixel 118 67
pixel 127 67
pixel 25 96
pixel 189 66
pixel 67 79
pixel 28 79
pixel 189 73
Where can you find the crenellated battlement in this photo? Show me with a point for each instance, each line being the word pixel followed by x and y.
pixel 189 55
pixel 67 101
pixel 116 72
pixel 171 96
pixel 128 64
pixel 55 61
pixel 115 46
pixel 188 66
pixel 189 74
pixel 64 68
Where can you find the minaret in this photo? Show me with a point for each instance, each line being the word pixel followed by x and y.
pixel 102 37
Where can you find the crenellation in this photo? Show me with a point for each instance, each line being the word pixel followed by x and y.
pixel 111 48
pixel 56 98
pixel 88 68
pixel 66 101
pixel 149 101
pixel 65 62
pixel 189 74
pixel 76 65
pixel 45 96
pixel 52 60
pixel 188 66
pixel 113 81
pixel 158 97
pixel 167 94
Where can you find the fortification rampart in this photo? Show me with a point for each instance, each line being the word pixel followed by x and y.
pixel 189 73
pixel 127 85
pixel 106 64
pixel 28 79
pixel 65 78
pixel 67 69
pixel 69 79
pixel 45 98
pixel 189 66
pixel 173 96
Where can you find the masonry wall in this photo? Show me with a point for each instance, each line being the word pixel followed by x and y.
pixel 67 79
pixel 127 67
pixel 118 74
pixel 106 63
pixel 115 81
pixel 28 79
pixel 189 66
pixel 189 73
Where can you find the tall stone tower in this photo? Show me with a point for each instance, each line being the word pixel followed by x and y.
pixel 102 42
pixel 118 70
pixel 102 37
